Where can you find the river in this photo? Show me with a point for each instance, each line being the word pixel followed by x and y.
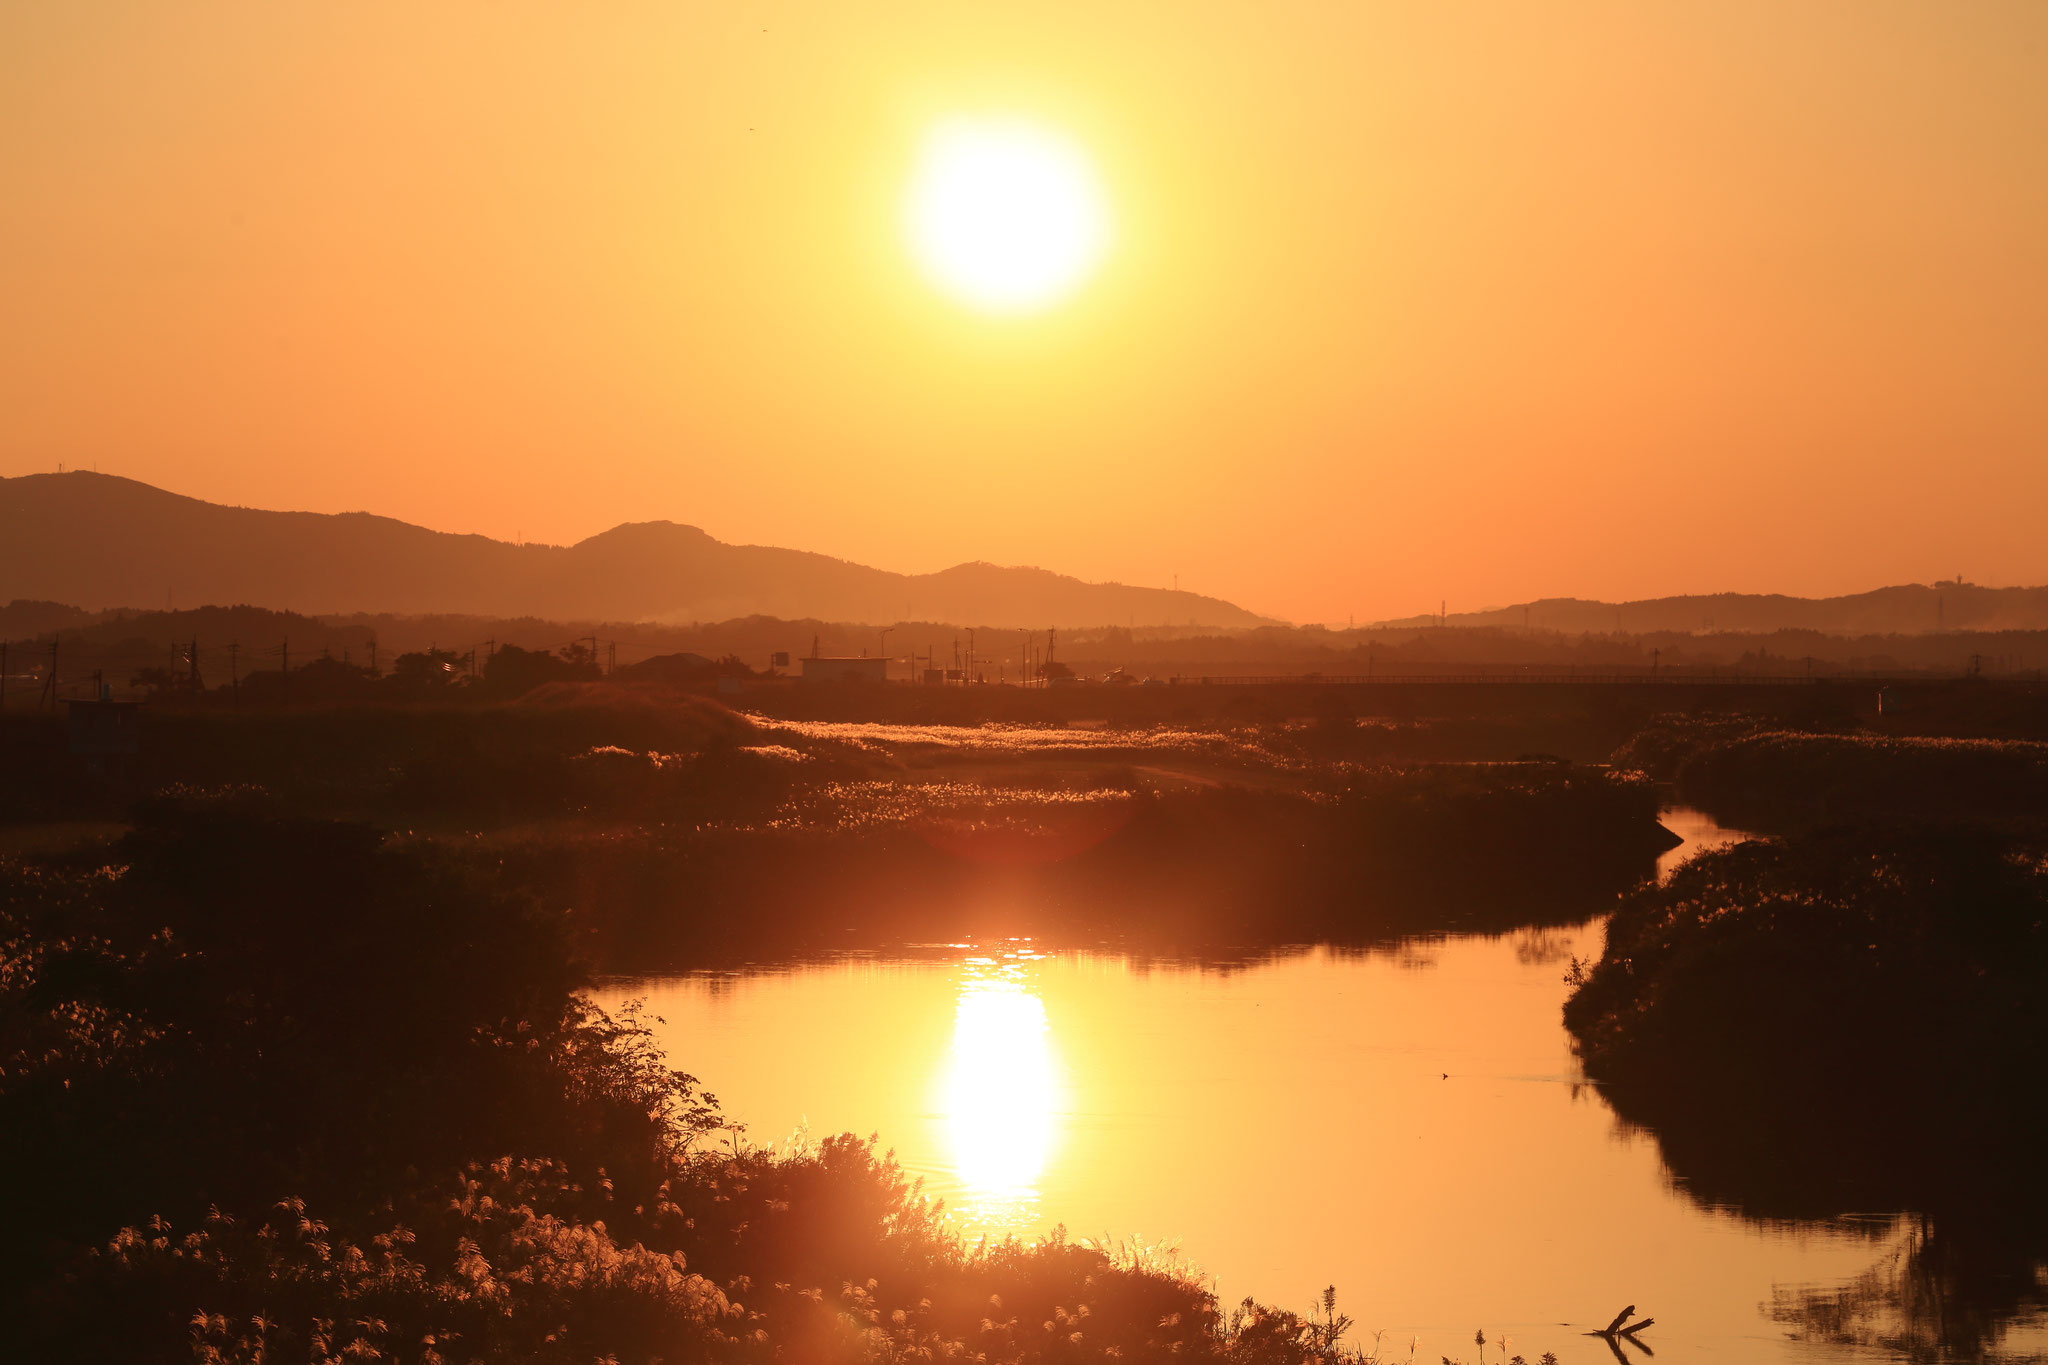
pixel 1407 1123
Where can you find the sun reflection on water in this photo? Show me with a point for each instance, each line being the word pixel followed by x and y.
pixel 999 1094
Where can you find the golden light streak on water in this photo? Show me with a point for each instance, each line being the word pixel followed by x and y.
pixel 1000 1092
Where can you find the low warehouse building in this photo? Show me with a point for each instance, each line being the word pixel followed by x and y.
pixel 861 669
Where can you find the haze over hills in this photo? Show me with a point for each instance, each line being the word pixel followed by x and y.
pixel 1907 609
pixel 98 541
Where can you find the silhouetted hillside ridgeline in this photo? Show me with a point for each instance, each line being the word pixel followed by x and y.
pixel 102 541
pixel 280 1092
pixel 1907 609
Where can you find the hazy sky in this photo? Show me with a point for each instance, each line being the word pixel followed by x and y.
pixel 1403 302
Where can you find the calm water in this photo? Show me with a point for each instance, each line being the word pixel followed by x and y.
pixel 1409 1124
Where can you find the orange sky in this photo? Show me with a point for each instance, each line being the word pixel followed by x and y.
pixel 1409 302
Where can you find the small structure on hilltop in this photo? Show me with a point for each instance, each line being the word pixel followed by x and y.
pixel 858 669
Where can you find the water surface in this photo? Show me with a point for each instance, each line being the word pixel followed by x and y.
pixel 1409 1123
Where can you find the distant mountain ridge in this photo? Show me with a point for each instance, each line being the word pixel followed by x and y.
pixel 98 541
pixel 1907 609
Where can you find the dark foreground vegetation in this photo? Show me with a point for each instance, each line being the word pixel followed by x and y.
pixel 1849 1020
pixel 272 1090
pixel 294 1064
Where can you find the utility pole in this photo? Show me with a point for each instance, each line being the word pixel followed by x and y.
pixel 50 683
pixel 285 684
pixel 194 661
pixel 885 652
pixel 3 675
pixel 234 671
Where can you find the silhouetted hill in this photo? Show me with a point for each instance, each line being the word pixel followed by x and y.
pixel 97 541
pixel 1909 609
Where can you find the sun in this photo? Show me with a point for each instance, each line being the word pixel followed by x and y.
pixel 1005 215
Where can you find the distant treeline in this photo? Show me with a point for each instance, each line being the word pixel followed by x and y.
pixel 242 641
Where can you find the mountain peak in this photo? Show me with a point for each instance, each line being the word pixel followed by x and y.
pixel 101 540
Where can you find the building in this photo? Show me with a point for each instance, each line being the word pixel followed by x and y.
pixel 861 670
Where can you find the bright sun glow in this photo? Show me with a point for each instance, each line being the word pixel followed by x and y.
pixel 1005 215
pixel 999 1091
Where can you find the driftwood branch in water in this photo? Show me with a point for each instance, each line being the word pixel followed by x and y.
pixel 1615 1329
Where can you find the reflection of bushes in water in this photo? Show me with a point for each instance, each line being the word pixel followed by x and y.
pixel 1847 1021
pixel 308 1051
pixel 1933 1296
pixel 1464 848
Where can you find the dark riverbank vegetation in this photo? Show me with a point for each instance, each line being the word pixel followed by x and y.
pixel 1781 780
pixel 328 956
pixel 1848 1021
pixel 276 1090
pixel 673 831
pixel 864 864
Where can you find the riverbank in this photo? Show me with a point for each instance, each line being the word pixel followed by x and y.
pixel 672 832
pixel 1847 1020
pixel 383 1125
pixel 869 865
pixel 1766 777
